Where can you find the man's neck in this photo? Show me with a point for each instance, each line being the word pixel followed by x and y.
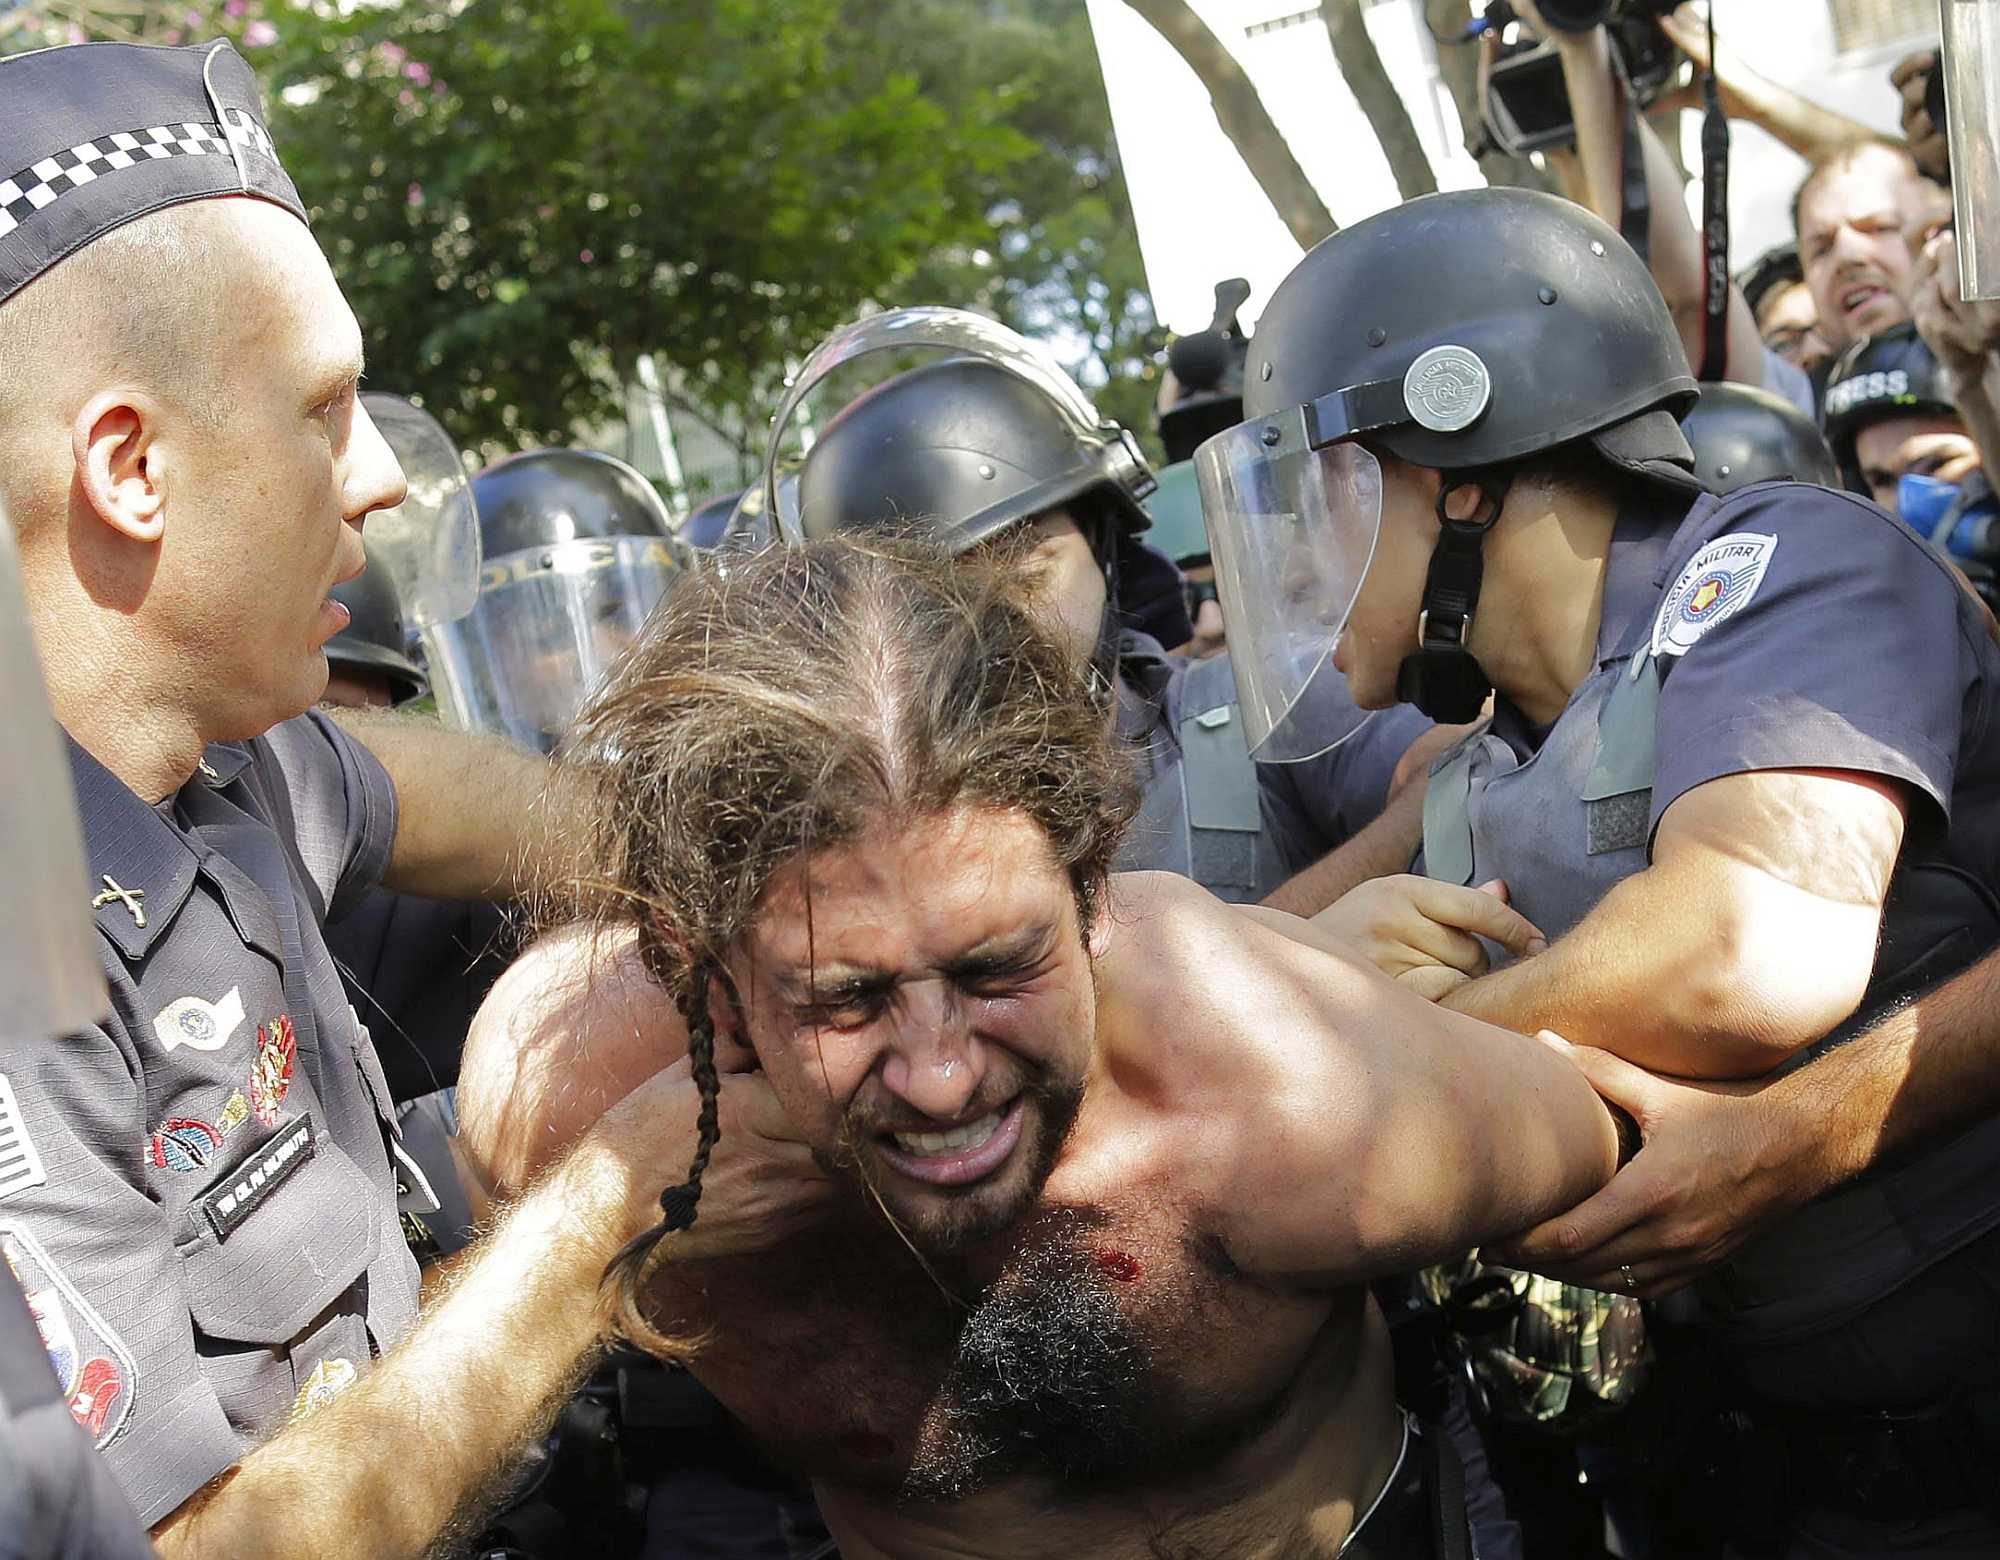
pixel 1542 600
pixel 102 696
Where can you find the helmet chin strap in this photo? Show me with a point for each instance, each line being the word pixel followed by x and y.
pixel 1442 677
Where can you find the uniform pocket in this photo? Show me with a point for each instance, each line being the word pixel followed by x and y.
pixel 268 1256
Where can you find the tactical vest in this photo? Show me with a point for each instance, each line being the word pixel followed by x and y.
pixel 1566 824
pixel 1199 813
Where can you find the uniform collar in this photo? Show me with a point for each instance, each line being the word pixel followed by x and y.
pixel 133 847
pixel 1642 542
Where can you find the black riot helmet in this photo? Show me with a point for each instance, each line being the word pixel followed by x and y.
pixel 1741 434
pixel 375 640
pixel 1889 374
pixel 966 445
pixel 563 496
pixel 1465 332
pixel 578 549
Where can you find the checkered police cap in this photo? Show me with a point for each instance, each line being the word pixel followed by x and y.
pixel 94 135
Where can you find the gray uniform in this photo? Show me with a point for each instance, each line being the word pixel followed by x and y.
pixel 207 1220
pixel 1789 627
pixel 1208 811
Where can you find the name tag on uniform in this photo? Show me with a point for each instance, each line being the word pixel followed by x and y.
pixel 225 1205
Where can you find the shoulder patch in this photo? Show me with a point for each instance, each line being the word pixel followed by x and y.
pixel 92 1364
pixel 1717 583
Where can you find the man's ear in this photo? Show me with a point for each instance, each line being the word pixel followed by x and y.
pixel 118 466
pixel 733 1050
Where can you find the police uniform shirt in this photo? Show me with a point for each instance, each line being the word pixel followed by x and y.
pixel 200 1194
pixel 1795 627
pixel 57 1499
pixel 1313 807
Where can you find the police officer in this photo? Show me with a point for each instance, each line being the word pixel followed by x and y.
pixel 1736 767
pixel 993 440
pixel 1740 435
pixel 577 547
pixel 213 1203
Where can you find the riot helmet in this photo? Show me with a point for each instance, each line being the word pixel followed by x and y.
pixel 1464 332
pixel 964 444
pixel 1741 434
pixel 988 435
pixel 375 643
pixel 708 521
pixel 1889 374
pixel 578 549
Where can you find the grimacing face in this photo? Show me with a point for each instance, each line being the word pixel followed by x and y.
pixel 922 1004
pixel 1854 241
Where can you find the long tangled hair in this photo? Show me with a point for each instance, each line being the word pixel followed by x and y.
pixel 783 706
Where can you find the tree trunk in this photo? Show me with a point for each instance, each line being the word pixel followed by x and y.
pixel 1243 118
pixel 1458 64
pixel 1354 52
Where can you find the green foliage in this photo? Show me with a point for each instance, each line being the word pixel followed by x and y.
pixel 520 196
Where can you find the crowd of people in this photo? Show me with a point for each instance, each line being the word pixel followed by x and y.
pixel 1419 981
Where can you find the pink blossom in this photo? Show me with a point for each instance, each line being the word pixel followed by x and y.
pixel 586 256
pixel 418 72
pixel 416 194
pixel 391 53
pixel 236 8
pixel 76 34
pixel 407 98
pixel 192 18
pixel 259 33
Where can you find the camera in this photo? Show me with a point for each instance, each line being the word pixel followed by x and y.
pixel 1527 105
pixel 1582 15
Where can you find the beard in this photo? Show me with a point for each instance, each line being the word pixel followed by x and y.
pixel 941 1220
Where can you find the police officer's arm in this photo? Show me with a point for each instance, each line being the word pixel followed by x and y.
pixel 1675 254
pixel 1387 845
pixel 1808 128
pixel 1340 1126
pixel 1752 934
pixel 1720 1163
pixel 477 818
pixel 387 1468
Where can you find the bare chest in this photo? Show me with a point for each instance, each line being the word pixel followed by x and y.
pixel 1113 1327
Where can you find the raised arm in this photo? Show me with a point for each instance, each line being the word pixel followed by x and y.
pixel 1808 128
pixel 1675 253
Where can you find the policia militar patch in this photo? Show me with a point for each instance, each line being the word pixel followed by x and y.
pixel 225 1205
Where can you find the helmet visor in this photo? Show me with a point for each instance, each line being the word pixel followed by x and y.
pixel 1292 531
pixel 548 627
pixel 429 543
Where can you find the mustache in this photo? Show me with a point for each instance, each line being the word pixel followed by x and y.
pixel 870 1118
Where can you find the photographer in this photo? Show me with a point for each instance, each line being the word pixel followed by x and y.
pixel 1674 255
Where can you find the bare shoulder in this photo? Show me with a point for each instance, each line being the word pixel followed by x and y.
pixel 1213 988
pixel 571 1028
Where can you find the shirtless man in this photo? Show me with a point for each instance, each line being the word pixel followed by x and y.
pixel 1048 1199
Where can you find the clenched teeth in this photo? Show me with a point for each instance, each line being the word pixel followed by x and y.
pixel 972 1135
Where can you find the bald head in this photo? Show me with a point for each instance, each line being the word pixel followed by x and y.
pixel 154 306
